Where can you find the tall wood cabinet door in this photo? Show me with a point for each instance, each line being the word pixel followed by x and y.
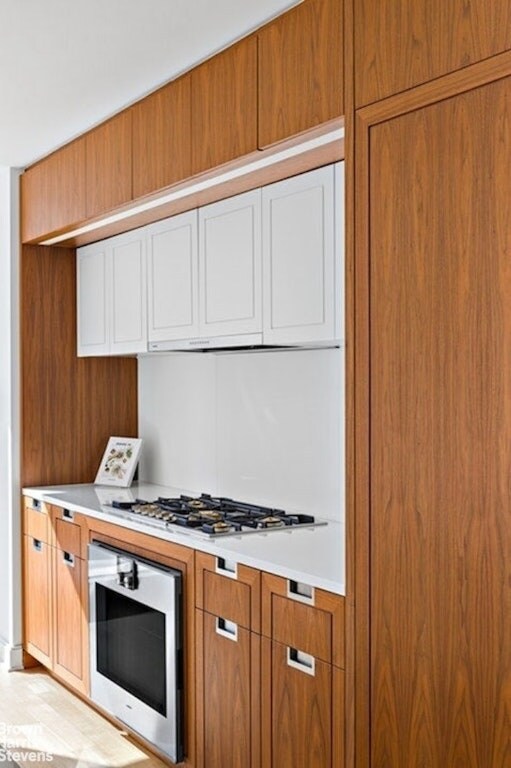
pixel 108 151
pixel 161 138
pixel 224 106
pixel 173 277
pixel 37 599
pixel 300 70
pixel 93 291
pixel 228 726
pixel 230 266
pixel 300 262
pixel 434 185
pixel 53 193
pixel 297 717
pixel 400 44
pixel 70 619
pixel 129 296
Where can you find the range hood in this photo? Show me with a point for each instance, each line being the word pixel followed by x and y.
pixel 242 342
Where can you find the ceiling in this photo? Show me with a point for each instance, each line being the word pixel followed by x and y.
pixel 66 65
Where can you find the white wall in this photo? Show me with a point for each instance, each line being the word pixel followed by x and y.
pixel 10 568
pixel 263 427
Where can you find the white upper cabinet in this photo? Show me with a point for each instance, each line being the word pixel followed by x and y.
pixel 173 279
pixel 230 266
pixel 303 258
pixel 112 301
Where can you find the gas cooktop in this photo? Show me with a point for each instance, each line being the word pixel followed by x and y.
pixel 211 516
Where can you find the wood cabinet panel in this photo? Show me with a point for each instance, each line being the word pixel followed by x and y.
pixel 303 627
pixel 400 44
pixel 434 184
pixel 68 537
pixel 224 106
pixel 37 598
pixel 53 192
pixel 228 729
pixel 162 150
pixel 36 520
pixel 70 627
pixel 234 594
pixel 300 65
pixel 109 166
pixel 227 598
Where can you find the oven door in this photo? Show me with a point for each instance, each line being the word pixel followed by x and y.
pixel 135 643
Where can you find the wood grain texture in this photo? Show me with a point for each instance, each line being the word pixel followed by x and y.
pixel 67 536
pixel 229 725
pixel 109 165
pixel 36 522
pixel 300 731
pixel 53 192
pixel 400 44
pixel 69 406
pixel 300 70
pixel 162 149
pixel 37 615
pixel 224 106
pixel 70 627
pixel 325 614
pixel 303 627
pixel 440 319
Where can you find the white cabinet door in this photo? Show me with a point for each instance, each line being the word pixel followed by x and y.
pixel 230 266
pixel 300 260
pixel 128 296
pixel 92 300
pixel 173 278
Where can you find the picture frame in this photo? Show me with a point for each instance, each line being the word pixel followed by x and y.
pixel 119 462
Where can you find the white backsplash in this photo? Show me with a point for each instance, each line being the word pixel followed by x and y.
pixel 264 427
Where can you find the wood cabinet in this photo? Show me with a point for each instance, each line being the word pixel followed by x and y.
pixel 302 659
pixel 434 342
pixel 55 593
pixel 399 44
pixel 111 296
pixel 161 138
pixel 230 266
pixel 303 257
pixel 228 667
pixel 301 81
pixel 53 192
pixel 224 106
pixel 109 166
pixel 173 278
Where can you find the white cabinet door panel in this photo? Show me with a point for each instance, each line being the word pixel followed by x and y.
pixel 230 266
pixel 299 259
pixel 92 291
pixel 129 334
pixel 173 278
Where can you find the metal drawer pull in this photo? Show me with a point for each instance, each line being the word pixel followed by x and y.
pixel 67 514
pixel 69 559
pixel 296 590
pixel 301 661
pixel 37 545
pixel 227 567
pixel 226 628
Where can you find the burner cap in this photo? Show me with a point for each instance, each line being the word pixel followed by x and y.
pixel 271 522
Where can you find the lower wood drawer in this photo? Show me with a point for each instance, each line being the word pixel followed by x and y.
pixel 36 520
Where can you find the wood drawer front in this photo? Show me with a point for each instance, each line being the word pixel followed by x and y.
pixel 36 522
pixel 317 616
pixel 302 627
pixel 227 598
pixel 68 537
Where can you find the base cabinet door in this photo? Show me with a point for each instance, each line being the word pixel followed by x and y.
pixel 228 672
pixel 70 618
pixel 298 705
pixel 37 590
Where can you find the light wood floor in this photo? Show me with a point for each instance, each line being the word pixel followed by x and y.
pixel 39 715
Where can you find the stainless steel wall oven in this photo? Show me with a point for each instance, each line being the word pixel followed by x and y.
pixel 135 609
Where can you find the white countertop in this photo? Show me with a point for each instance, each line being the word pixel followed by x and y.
pixel 315 556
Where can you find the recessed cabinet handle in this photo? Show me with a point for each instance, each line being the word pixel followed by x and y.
pixel 37 545
pixel 227 567
pixel 67 514
pixel 296 590
pixel 301 661
pixel 226 629
pixel 35 505
pixel 69 559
